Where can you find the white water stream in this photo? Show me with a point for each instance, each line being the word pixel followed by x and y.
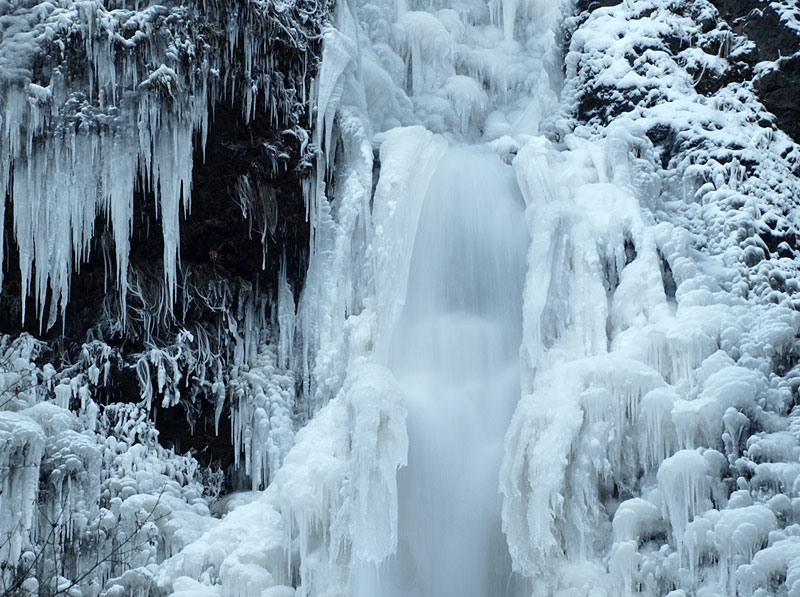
pixel 456 355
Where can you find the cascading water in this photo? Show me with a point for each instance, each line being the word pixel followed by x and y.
pixel 455 353
pixel 411 317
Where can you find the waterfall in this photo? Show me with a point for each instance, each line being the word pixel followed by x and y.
pixel 455 355
pixel 548 341
pixel 411 318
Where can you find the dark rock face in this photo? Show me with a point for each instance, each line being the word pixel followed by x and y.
pixel 727 57
pixel 590 5
pixel 778 88
pixel 665 139
pixel 218 234
pixel 779 91
pixel 760 22
pixel 606 103
pixel 773 39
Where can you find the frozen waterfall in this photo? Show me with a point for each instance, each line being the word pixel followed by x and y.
pixel 525 370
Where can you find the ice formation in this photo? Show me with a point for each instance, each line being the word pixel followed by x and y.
pixel 626 224
pixel 104 108
pixel 90 500
pixel 99 99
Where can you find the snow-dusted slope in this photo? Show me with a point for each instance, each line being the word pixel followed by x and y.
pixel 681 429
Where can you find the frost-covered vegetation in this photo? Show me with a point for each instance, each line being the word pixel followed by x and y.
pixel 89 497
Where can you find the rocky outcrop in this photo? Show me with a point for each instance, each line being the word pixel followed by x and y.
pixel 699 96
pixel 773 29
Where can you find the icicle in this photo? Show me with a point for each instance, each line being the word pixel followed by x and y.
pixel 538 445
pixel 657 439
pixel 23 446
pixel 684 481
pixel 286 318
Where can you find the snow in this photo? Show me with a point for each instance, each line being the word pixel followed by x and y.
pixel 327 503
pixel 636 519
pixel 538 444
pixel 89 493
pixel 23 448
pixel 739 535
pixel 683 480
pixel 581 302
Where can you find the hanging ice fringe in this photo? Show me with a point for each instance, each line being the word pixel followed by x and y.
pixel 119 104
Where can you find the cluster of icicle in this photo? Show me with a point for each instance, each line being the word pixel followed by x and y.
pixel 655 447
pixel 100 99
pixel 249 371
pixel 641 449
